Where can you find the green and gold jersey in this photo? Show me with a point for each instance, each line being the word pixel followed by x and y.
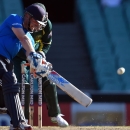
pixel 43 40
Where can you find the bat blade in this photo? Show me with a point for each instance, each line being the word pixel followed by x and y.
pixel 69 88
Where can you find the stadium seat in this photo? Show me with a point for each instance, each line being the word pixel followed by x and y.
pixel 105 62
pixel 126 86
pixel 112 87
pixel 102 35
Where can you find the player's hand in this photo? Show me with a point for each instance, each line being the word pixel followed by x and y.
pixel 43 56
pixel 44 69
pixel 34 59
pixel 39 63
pixel 50 67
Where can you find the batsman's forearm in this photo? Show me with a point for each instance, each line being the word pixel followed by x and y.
pixel 27 45
pixel 25 41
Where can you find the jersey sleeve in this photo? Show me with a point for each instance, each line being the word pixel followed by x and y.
pixel 47 37
pixel 14 21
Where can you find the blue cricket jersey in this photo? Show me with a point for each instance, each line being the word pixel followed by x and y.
pixel 9 43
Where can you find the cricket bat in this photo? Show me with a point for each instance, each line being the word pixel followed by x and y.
pixel 69 88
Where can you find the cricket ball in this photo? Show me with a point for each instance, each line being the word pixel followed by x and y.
pixel 121 71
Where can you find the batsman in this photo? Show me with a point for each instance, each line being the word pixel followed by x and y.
pixel 42 44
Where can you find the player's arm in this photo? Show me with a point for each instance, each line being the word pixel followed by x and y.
pixel 47 38
pixel 26 43
pixel 47 44
pixel 34 58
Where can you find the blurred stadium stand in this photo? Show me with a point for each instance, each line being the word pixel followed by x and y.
pixel 13 7
pixel 108 38
pixel 68 54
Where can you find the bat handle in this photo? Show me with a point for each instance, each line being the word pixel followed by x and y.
pixel 49 65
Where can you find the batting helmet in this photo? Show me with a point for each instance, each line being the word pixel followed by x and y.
pixel 37 12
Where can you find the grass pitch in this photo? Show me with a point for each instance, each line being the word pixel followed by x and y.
pixel 78 128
